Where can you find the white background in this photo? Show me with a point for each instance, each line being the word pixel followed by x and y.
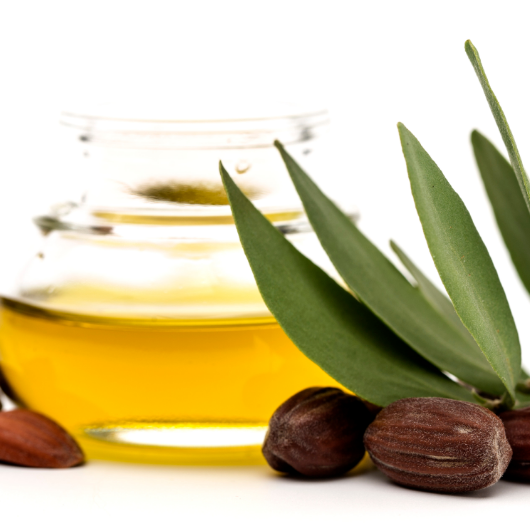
pixel 373 64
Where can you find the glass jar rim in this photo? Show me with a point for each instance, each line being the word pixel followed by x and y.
pixel 121 127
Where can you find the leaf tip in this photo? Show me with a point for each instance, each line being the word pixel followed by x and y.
pixel 278 145
pixel 479 140
pixel 404 133
pixel 225 177
pixel 222 170
pixel 471 51
pixel 475 135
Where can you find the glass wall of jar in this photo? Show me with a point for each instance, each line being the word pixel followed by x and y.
pixel 138 325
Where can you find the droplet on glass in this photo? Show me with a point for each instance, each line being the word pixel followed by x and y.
pixel 242 166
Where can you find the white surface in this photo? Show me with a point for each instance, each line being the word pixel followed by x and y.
pixel 374 63
pixel 113 495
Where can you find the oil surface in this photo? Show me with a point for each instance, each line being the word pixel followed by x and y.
pixel 154 390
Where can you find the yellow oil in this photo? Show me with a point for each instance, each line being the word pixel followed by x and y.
pixel 154 390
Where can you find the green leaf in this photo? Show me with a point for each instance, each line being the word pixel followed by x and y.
pixel 440 303
pixel 502 123
pixel 463 263
pixel 326 322
pixel 523 400
pixel 513 217
pixel 389 295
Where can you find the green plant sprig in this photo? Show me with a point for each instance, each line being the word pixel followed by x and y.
pixel 388 339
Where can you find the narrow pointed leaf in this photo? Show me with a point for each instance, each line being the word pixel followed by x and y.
pixel 441 303
pixel 385 291
pixel 502 123
pixel 463 263
pixel 513 217
pixel 326 322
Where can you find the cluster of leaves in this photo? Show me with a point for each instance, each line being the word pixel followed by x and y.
pixel 384 338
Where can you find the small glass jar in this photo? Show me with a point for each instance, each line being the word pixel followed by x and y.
pixel 138 325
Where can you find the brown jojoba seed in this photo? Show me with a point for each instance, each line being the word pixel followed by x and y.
pixel 318 432
pixel 439 444
pixel 33 440
pixel 517 425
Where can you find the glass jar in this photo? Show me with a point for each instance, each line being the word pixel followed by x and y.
pixel 138 325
